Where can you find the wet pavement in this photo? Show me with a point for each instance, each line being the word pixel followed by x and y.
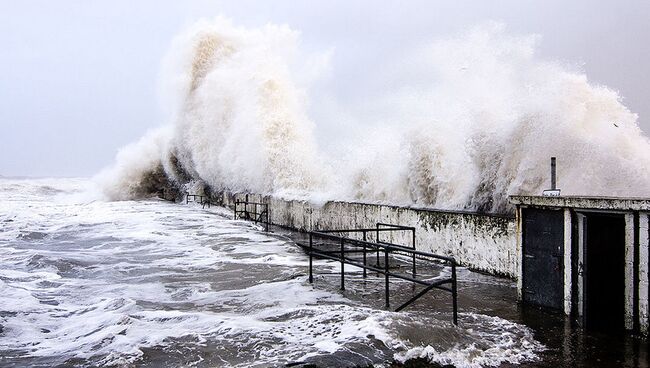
pixel 567 345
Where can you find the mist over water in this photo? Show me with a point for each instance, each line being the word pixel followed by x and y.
pixel 459 123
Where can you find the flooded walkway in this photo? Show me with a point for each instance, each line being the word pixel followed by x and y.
pixel 566 344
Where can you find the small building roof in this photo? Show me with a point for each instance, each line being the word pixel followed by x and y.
pixel 600 203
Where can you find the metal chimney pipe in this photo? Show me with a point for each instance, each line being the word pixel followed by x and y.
pixel 553 174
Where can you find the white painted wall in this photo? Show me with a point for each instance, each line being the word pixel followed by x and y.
pixel 482 242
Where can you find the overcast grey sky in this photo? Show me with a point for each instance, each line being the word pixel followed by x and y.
pixel 78 79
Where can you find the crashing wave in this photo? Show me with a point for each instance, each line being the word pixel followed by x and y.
pixel 477 118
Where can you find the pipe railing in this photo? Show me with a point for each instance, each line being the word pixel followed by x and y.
pixel 258 214
pixel 356 246
pixel 204 200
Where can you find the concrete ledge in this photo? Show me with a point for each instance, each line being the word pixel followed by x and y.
pixel 603 203
pixel 479 241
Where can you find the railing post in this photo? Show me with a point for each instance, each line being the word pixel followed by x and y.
pixel 311 247
pixel 413 242
pixel 364 254
pixel 454 292
pixel 377 240
pixel 267 217
pixel 342 264
pixel 387 248
pixel 245 211
pixel 386 277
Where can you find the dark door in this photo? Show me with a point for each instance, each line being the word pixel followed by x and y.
pixel 543 257
pixel 604 272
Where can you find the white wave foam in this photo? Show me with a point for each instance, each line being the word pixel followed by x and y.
pixel 496 341
pixel 459 123
pixel 127 177
pixel 113 280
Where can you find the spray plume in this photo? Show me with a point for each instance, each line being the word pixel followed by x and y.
pixel 476 118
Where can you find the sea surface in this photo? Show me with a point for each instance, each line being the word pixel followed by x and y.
pixel 86 282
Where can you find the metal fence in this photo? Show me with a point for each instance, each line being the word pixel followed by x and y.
pixel 327 244
pixel 252 211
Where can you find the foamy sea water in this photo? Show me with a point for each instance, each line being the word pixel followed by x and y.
pixel 153 283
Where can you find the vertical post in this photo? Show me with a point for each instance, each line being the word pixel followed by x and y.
pixel 364 254
pixel 553 174
pixel 311 247
pixel 267 217
pixel 386 277
pixel 413 243
pixel 454 292
pixel 235 214
pixel 377 241
pixel 342 264
pixel 248 216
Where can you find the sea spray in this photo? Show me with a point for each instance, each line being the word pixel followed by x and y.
pixel 237 118
pixel 138 170
pixel 241 124
pixel 459 123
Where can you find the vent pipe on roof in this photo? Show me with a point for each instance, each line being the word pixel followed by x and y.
pixel 553 175
pixel 553 192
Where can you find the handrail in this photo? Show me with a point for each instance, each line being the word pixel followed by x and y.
pixel 387 248
pixel 262 216
pixel 396 226
pixel 358 230
pixel 204 200
pixel 248 202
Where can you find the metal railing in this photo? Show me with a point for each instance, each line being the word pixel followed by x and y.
pixel 346 246
pixel 201 198
pixel 204 200
pixel 252 211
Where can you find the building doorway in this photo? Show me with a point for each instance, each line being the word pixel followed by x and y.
pixel 603 272
pixel 543 257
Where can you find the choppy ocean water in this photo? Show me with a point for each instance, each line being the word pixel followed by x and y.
pixel 85 282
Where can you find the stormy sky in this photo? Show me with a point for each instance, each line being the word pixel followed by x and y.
pixel 79 79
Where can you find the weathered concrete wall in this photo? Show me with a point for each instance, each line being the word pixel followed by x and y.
pixel 644 280
pixel 481 242
pixel 629 271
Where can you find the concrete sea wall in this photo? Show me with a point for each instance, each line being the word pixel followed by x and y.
pixel 478 241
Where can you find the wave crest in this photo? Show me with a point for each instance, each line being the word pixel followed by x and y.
pixel 475 118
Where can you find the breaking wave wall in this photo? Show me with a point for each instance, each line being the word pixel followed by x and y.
pixel 468 120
